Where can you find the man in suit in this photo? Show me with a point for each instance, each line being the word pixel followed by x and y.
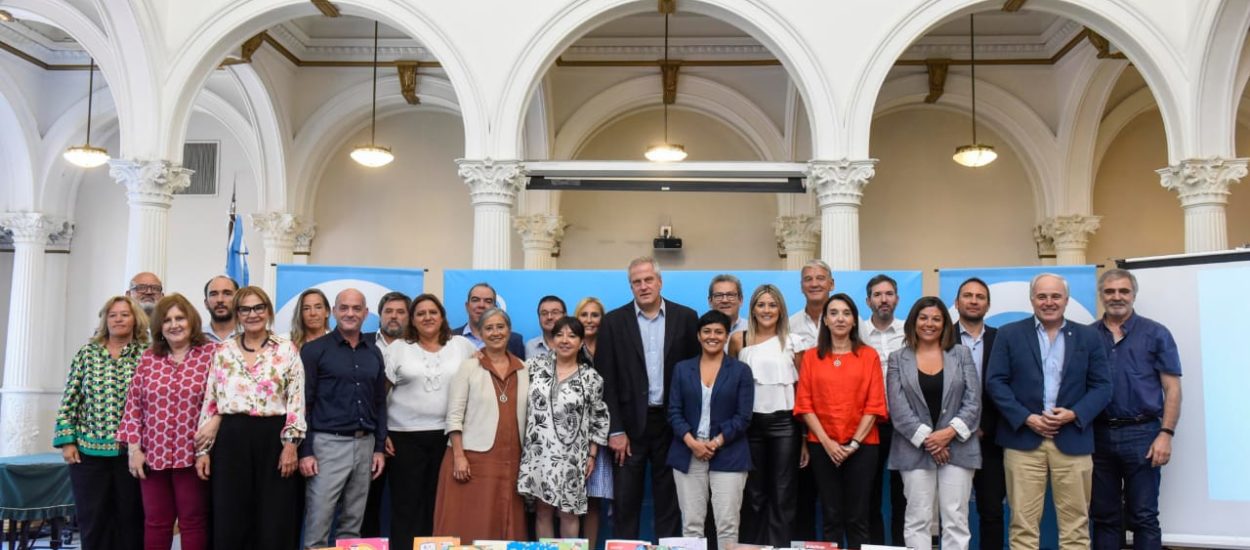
pixel 972 301
pixel 638 345
pixel 1050 379
pixel 481 298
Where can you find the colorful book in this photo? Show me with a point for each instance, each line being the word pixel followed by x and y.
pixel 567 544
pixel 626 544
pixel 522 545
pixel 685 543
pixel 813 545
pixel 363 544
pixel 492 544
pixel 434 543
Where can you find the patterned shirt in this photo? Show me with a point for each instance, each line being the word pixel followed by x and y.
pixel 95 395
pixel 163 407
pixel 272 386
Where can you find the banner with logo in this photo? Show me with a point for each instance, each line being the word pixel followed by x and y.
pixel 519 291
pixel 1009 291
pixel 373 282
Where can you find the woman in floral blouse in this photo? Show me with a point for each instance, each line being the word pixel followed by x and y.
pixel 251 424
pixel 158 428
pixel 109 509
pixel 568 422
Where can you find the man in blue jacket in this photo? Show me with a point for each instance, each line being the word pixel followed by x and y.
pixel 1050 379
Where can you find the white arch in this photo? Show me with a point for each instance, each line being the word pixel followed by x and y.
pixel 756 17
pixel 269 128
pixel 238 20
pixel 1079 126
pixel 240 127
pixel 1012 119
pixel 1135 105
pixel 339 118
pixel 58 179
pixel 1221 79
pixel 697 94
pixel 1141 40
pixel 19 139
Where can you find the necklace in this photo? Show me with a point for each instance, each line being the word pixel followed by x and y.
pixel 500 387
pixel 243 342
pixel 433 370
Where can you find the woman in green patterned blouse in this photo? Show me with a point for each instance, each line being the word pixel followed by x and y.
pixel 110 512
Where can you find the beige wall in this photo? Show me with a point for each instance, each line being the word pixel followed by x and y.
pixel 414 212
pixel 607 229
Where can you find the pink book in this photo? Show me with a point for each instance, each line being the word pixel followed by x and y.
pixel 363 544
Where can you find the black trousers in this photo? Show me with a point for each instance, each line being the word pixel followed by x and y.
pixel 898 501
pixel 371 523
pixel 844 493
pixel 990 484
pixel 254 507
pixel 651 449
pixel 109 504
pixel 413 479
pixel 768 506
pixel 806 499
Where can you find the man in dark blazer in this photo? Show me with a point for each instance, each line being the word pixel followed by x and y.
pixel 481 298
pixel 1050 379
pixel 638 345
pixel 972 301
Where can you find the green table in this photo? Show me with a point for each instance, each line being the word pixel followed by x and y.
pixel 34 488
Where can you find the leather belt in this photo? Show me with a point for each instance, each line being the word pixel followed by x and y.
pixel 1132 421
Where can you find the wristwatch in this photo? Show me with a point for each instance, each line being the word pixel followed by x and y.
pixel 1168 431
pixel 854 445
pixel 292 440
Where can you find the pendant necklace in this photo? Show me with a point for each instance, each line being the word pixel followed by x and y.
pixel 502 388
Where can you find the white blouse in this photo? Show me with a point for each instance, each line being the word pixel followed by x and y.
pixel 418 400
pixel 772 366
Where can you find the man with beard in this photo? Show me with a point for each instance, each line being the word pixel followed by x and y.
pixel 550 309
pixel 972 301
pixel 218 300
pixel 345 404
pixel 1133 436
pixel 146 288
pixel 884 333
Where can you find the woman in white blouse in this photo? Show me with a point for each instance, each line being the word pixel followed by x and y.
pixel 775 438
pixel 420 368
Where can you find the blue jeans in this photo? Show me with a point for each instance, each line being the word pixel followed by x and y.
pixel 1124 481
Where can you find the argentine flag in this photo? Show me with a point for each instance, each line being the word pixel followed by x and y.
pixel 236 253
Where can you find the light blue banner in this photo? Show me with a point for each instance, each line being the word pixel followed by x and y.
pixel 374 282
pixel 1222 298
pixel 519 291
pixel 1009 291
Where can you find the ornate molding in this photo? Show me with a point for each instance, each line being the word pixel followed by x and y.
pixel 1070 231
pixel 36 227
pixel 408 80
pixel 278 228
pixel 1045 244
pixel 304 239
pixel 19 425
pixel 541 231
pixel 1201 182
pixel 492 181
pixel 150 182
pixel 801 232
pixel 840 182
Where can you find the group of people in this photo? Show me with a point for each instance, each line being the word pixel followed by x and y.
pixel 249 439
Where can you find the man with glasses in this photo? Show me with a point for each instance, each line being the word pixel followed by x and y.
pixel 481 298
pixel 345 404
pixel 550 309
pixel 146 288
pixel 218 296
pixel 725 295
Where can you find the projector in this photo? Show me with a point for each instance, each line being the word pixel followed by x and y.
pixel 667 243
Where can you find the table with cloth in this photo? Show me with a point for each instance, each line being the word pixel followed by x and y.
pixel 34 488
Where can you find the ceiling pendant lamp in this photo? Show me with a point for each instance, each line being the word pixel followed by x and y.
pixel 85 155
pixel 373 155
pixel 665 152
pixel 976 154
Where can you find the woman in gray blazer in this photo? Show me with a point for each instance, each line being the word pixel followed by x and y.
pixel 934 395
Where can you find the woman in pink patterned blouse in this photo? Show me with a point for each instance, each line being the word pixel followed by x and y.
pixel 159 423
pixel 251 424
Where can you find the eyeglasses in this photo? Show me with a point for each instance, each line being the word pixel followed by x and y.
pixel 147 289
pixel 244 311
pixel 724 296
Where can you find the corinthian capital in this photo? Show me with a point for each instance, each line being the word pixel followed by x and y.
pixel 35 227
pixel 542 227
pixel 278 228
pixel 1070 231
pixel 492 181
pixel 800 232
pixel 1202 181
pixel 840 181
pixel 150 182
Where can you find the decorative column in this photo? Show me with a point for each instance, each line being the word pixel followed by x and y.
pixel 1045 245
pixel 839 188
pixel 493 187
pixel 1070 235
pixel 1202 185
pixel 150 187
pixel 24 369
pixel 279 230
pixel 797 239
pixel 540 238
pixel 303 244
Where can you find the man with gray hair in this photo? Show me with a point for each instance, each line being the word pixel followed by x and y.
pixel 1050 379
pixel 724 294
pixel 1133 436
pixel 392 318
pixel 146 288
pixel 816 281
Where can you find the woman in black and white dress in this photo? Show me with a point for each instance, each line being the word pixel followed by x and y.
pixel 567 423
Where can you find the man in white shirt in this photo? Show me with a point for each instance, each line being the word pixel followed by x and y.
pixel 550 309
pixel 725 295
pixel 816 280
pixel 885 334
pixel 392 319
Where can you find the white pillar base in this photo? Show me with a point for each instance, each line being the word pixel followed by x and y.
pixel 26 420
pixel 839 189
pixel 1202 185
